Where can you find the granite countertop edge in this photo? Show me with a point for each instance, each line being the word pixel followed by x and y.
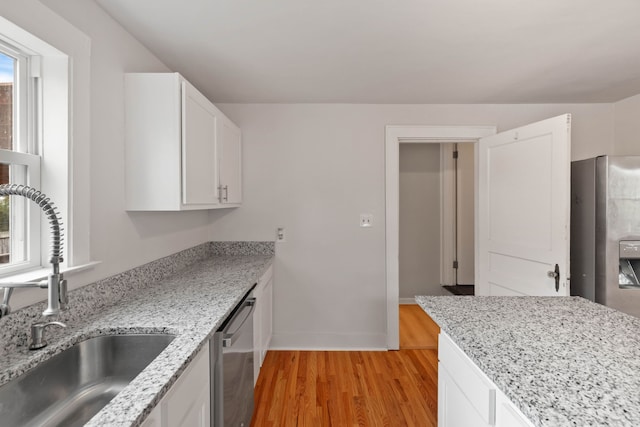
pixel 190 304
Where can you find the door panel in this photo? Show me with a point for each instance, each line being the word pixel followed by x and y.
pixel 523 209
pixel 199 172
pixel 230 162
pixel 527 164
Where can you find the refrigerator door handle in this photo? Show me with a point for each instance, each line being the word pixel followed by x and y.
pixel 555 274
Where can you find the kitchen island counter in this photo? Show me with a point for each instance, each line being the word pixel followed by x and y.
pixel 563 361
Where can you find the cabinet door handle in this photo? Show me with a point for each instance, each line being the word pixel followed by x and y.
pixel 226 193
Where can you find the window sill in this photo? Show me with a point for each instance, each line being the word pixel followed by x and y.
pixel 41 273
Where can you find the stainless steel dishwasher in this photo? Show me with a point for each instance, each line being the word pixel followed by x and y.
pixel 232 370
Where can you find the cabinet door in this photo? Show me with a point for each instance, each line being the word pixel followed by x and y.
pixel 188 403
pixel 154 419
pixel 507 415
pixel 454 408
pixel 466 396
pixel 478 390
pixel 257 328
pixel 198 415
pixel 230 162
pixel 199 164
pixel 267 318
pixel 262 320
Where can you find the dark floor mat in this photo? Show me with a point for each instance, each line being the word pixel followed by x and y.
pixel 461 289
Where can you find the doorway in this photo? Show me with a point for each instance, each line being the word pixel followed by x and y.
pixel 436 213
pixel 394 135
pixel 420 221
pixel 521 207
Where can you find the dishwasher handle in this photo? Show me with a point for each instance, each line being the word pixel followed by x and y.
pixel 230 337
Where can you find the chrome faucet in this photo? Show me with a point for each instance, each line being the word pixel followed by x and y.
pixel 55 283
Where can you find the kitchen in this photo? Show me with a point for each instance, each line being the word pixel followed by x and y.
pixel 309 167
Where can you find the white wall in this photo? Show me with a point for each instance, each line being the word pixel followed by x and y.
pixel 119 239
pixel 419 239
pixel 627 126
pixel 310 168
pixel 314 169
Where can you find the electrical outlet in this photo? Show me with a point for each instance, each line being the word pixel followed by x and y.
pixel 280 237
pixel 366 220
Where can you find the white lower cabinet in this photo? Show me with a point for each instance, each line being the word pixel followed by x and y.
pixel 454 409
pixel 507 415
pixel 266 316
pixel 466 396
pixel 153 419
pixel 262 320
pixel 187 403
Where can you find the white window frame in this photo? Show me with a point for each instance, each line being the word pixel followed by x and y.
pixel 64 128
pixel 25 215
pixel 65 105
pixel 24 162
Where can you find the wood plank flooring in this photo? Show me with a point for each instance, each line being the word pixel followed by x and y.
pixel 417 330
pixel 349 388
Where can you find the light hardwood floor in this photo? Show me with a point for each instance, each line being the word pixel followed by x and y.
pixel 417 330
pixel 352 388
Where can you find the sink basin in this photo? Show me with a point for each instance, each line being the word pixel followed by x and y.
pixel 72 386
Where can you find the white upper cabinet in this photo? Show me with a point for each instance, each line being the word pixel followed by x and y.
pixel 199 172
pixel 182 153
pixel 230 161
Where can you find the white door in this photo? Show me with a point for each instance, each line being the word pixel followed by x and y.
pixel 523 210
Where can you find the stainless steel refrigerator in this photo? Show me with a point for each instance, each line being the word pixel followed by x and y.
pixel 605 231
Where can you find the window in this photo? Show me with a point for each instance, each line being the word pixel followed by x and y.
pixel 50 122
pixel 7 77
pixel 19 159
pixel 51 125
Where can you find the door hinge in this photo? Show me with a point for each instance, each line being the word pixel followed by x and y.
pixel 455 264
pixel 455 154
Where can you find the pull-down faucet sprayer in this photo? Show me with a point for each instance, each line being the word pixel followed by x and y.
pixel 56 284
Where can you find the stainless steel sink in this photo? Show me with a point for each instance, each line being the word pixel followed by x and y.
pixel 71 387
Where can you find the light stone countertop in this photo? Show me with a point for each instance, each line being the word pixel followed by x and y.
pixel 190 303
pixel 563 361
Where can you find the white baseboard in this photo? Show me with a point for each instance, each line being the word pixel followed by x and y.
pixel 407 300
pixel 328 342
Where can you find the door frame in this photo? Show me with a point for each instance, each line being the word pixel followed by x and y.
pixel 448 230
pixel 394 136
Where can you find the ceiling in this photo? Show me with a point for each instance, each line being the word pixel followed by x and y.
pixel 394 51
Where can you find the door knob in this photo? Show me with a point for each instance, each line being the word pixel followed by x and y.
pixel 555 274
